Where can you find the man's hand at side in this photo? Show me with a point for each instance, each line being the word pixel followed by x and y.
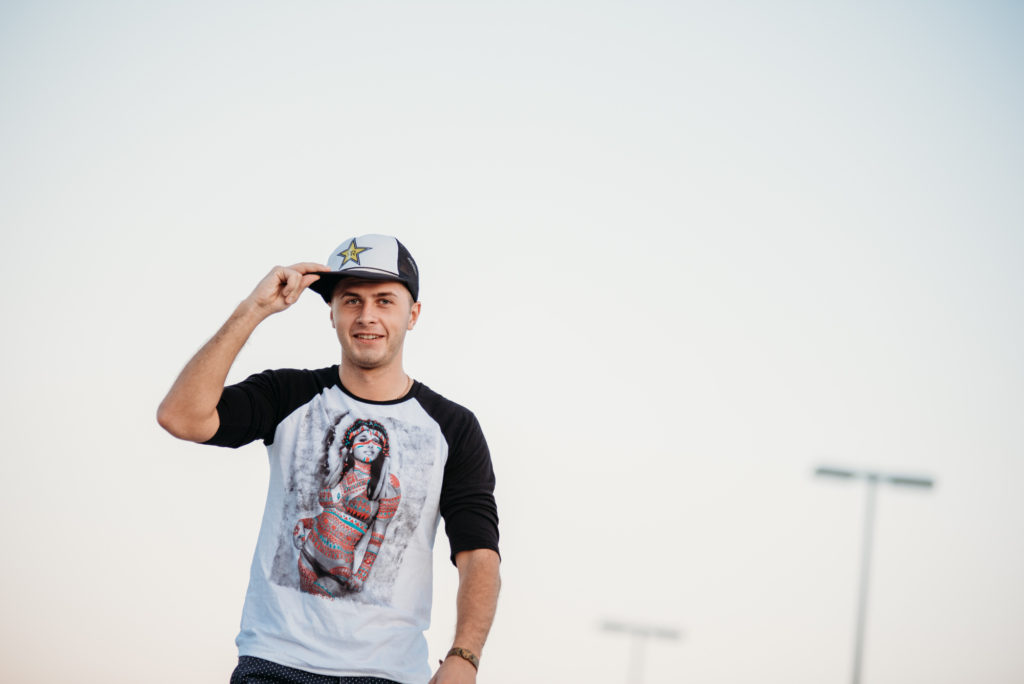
pixel 189 411
pixel 454 670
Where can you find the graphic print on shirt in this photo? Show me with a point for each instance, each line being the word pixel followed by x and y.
pixel 359 497
pixel 356 504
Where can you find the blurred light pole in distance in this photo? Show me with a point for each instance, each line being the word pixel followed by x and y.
pixel 872 477
pixel 640 634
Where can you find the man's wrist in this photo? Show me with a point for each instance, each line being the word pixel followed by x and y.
pixel 251 312
pixel 465 654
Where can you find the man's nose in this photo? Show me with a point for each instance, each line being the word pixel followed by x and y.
pixel 367 312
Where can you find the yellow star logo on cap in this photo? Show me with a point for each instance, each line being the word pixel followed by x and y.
pixel 352 253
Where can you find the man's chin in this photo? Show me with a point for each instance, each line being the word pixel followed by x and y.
pixel 363 362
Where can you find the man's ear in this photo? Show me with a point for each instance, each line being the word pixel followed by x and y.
pixel 414 315
pixel 330 312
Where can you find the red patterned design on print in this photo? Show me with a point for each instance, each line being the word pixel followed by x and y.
pixel 349 512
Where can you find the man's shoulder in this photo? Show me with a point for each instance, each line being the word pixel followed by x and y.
pixel 434 401
pixel 302 376
pixel 453 418
pixel 286 388
pixel 253 408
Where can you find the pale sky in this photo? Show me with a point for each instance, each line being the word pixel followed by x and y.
pixel 674 257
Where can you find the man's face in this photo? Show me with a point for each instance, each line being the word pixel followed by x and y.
pixel 371 319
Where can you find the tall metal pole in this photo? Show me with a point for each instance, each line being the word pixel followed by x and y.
pixel 865 573
pixel 636 656
pixel 872 478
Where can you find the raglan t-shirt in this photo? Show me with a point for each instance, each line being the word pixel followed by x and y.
pixel 341 578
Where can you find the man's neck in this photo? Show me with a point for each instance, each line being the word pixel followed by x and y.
pixel 376 384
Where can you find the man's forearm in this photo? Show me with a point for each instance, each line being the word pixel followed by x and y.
pixel 477 601
pixel 479 583
pixel 189 411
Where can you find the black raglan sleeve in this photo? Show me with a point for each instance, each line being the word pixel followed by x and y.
pixel 252 409
pixel 467 493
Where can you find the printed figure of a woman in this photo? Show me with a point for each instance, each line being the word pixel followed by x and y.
pixel 359 495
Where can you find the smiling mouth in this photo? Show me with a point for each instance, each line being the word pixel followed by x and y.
pixel 366 336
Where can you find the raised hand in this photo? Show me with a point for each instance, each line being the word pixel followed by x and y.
pixel 281 288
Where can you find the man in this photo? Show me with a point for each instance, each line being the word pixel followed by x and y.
pixel 363 462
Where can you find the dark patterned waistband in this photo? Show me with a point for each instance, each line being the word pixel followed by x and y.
pixel 253 670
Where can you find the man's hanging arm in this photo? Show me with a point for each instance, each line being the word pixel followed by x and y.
pixel 479 582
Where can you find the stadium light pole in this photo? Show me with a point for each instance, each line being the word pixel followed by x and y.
pixel 872 477
pixel 640 635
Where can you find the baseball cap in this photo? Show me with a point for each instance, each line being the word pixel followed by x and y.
pixel 369 257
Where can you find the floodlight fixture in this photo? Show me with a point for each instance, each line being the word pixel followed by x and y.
pixel 640 634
